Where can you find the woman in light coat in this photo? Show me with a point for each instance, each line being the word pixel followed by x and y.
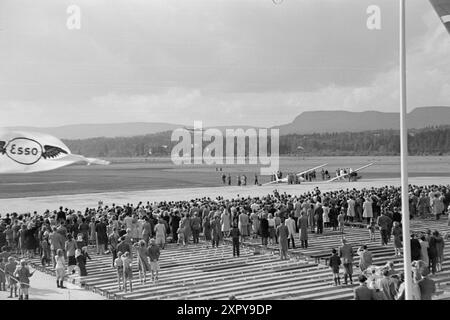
pixel 367 209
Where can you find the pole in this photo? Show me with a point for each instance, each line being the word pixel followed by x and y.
pixel 404 158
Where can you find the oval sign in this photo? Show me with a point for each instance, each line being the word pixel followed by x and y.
pixel 24 151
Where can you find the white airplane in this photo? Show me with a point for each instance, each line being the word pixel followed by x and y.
pixel 285 179
pixel 345 175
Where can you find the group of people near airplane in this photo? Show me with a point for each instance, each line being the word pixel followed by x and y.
pixel 130 233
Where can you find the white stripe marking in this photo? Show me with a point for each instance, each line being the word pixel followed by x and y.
pixel 446 18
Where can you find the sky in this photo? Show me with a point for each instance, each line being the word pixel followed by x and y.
pixel 223 62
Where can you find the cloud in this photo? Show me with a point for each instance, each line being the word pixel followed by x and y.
pixel 222 62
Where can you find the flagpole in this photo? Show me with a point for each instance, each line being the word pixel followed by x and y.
pixel 404 158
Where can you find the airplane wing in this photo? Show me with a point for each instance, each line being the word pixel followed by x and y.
pixel 284 180
pixel 346 174
pixel 312 169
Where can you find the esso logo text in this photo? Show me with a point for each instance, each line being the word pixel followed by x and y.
pixel 24 151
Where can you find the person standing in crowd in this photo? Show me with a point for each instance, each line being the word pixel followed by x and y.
pixel 127 271
pixel 70 247
pixel 432 253
pixel 102 236
pixel 60 268
pixel 383 223
pixel 83 229
pixel 118 265
pixel 216 231
pixel 196 226
pixel 351 208
pixel 388 286
pixel 283 233
pixel 362 292
pixel 335 264
pixel 81 255
pixel 207 227
pixel 341 221
pixel 174 225
pixel 424 245
pixel 235 239
pixel 23 274
pixel 154 253
pixel 10 268
pixel 371 227
pixel 423 206
pixel 397 233
pixel 303 230
pixel 243 225
pixel 416 248
pixel 3 262
pixel 160 232
pixel 367 209
pixel 365 258
pixel 143 265
pixel 427 286
pixel 319 218
pixel 346 254
pixel 440 243
pixel 290 224
pixel 93 234
pixel 113 240
pixel 437 205
pixel 264 226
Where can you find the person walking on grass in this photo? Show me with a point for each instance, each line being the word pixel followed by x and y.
pixel 154 252
pixel 335 264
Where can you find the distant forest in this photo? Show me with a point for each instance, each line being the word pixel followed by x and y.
pixel 427 141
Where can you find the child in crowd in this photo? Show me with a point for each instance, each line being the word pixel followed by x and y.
pixel 127 271
pixel 60 268
pixel 181 239
pixel 10 268
pixel 46 252
pixel 154 253
pixel 335 263
pixel 118 264
pixel 371 228
pixel 23 274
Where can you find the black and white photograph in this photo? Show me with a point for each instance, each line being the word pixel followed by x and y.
pixel 246 151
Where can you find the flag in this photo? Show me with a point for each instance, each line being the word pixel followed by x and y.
pixel 442 8
pixel 25 152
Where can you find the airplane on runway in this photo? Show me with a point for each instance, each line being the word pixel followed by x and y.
pixel 352 175
pixel 299 175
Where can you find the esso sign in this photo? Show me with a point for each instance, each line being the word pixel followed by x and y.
pixel 24 151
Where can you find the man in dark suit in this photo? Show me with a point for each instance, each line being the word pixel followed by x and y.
pixel 363 292
pixel 384 222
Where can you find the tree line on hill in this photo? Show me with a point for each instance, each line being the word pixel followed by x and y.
pixel 427 141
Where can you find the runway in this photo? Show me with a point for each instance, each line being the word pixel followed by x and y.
pixel 81 201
